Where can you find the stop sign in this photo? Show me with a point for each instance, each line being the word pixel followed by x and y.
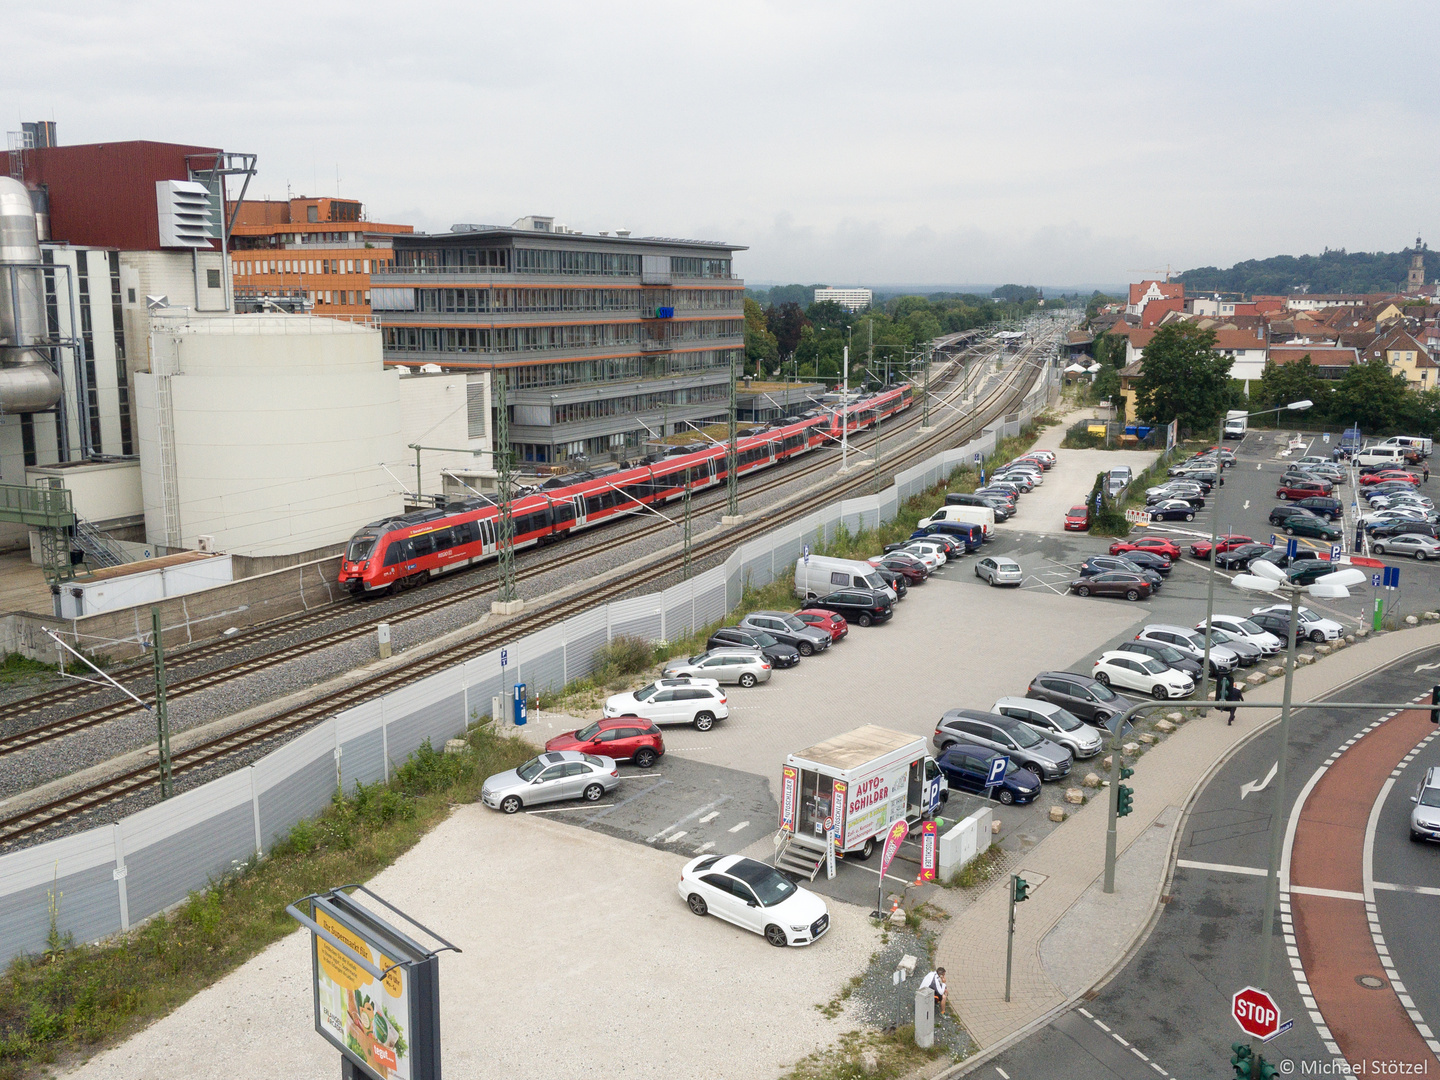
pixel 1256 1012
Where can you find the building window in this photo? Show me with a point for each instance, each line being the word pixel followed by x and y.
pixel 122 379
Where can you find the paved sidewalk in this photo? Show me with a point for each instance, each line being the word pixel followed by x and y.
pixel 1070 934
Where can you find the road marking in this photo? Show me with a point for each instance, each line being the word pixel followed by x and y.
pixel 709 817
pixel 638 794
pixel 689 817
pixel 737 828
pixel 1101 1026
pixel 1253 786
pixel 1223 868
pixel 1247 505
pixel 1424 890
pixel 676 836
pixel 706 846
pixel 1002 1072
pixel 1333 894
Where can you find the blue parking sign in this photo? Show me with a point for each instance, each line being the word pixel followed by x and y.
pixel 998 768
pixel 1391 577
pixel 504 657
pixel 1292 547
pixel 1272 539
pixel 1375 580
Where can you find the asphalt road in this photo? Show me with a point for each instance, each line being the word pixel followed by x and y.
pixel 1171 1000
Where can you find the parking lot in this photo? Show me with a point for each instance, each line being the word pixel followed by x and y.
pixel 954 642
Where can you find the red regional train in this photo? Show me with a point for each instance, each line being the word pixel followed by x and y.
pixel 394 554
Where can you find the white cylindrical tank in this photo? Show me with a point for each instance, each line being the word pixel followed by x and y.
pixel 281 426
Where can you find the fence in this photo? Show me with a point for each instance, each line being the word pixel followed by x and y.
pixel 109 878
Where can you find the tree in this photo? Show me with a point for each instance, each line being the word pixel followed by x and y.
pixel 786 321
pixel 1280 384
pixel 1183 378
pixel 1370 395
pixel 1016 294
pixel 760 344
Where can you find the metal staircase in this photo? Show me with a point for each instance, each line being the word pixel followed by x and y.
pixel 99 551
pixel 800 855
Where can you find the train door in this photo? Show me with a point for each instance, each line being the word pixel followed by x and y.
pixel 489 544
pixel 578 501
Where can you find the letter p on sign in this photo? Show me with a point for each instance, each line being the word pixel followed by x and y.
pixel 1256 1012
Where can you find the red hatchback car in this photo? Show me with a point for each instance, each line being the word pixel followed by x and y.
pixel 1077 518
pixel 622 738
pixel 1201 548
pixel 1302 489
pixel 834 625
pixel 1156 545
pixel 1389 474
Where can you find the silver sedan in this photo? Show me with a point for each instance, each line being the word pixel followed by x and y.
pixel 551 777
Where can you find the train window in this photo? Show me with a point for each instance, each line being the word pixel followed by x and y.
pixel 592 504
pixel 564 514
pixel 394 553
pixel 487 531
pixel 360 548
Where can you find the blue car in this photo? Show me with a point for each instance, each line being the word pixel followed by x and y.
pixel 967 767
pixel 972 535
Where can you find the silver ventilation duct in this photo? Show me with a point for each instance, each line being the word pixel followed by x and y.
pixel 27 382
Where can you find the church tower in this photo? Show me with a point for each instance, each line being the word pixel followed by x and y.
pixel 1415 280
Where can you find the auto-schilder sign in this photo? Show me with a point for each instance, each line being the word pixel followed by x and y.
pixel 376 990
pixel 788 782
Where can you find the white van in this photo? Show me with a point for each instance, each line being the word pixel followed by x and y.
pixel 1381 455
pixel 983 516
pixel 1415 443
pixel 819 575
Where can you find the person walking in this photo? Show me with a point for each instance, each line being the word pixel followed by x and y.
pixel 935 982
pixel 1232 693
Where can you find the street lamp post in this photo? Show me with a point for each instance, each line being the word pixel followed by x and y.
pixel 1294 406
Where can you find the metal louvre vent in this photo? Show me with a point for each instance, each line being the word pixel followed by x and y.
pixel 475 408
pixel 186 214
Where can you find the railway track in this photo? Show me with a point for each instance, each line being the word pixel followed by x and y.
pixel 213 751
pixel 182 686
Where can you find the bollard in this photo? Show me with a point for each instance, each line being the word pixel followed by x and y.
pixel 924 1018
pixel 382 635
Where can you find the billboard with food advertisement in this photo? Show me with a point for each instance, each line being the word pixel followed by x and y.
pixel 357 1012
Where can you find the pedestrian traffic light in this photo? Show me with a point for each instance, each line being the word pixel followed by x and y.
pixel 1434 702
pixel 1240 1060
pixel 1124 801
pixel 1126 773
pixel 1266 1071
pixel 1022 889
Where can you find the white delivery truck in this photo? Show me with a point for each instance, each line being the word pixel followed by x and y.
pixel 1235 424
pixel 983 516
pixel 863 781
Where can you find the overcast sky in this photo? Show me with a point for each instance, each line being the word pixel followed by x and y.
pixel 944 143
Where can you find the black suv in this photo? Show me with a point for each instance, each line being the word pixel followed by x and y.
pixel 1321 506
pixel 1087 698
pixel 861 606
pixel 1280 513
pixel 737 637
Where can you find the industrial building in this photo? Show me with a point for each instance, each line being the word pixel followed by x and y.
pixel 169 421
pixel 604 340
pixel 305 254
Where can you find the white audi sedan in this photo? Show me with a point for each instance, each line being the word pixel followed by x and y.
pixel 755 897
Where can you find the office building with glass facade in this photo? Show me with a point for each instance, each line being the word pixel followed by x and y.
pixel 604 341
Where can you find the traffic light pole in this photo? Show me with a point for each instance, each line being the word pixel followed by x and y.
pixel 1019 893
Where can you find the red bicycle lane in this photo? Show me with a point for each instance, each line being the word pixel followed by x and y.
pixel 1332 932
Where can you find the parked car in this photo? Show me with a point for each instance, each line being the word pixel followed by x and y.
pixel 895 581
pixel 1237 626
pixel 1053 722
pixel 1100 564
pixel 828 621
pixel 1313 626
pixel 1083 695
pixel 1143 674
pixel 1077 518
pixel 744 667
pixel 754 897
pixel 787 630
pixel 1367 479
pixel 1279 514
pixel 689 704
pixel 1302 489
pixel 779 655
pixel 1124 583
pixel 998 570
pixel 931 559
pixel 1309 571
pixel 1029 750
pixel 623 738
pixel 1201 548
pixel 1277 624
pixel 967 767
pixel 905 563
pixel 1310 525
pixel 1147 560
pixel 1191 496
pixel 1416 545
pixel 1381 529
pixel 1157 545
pixel 1188 643
pixel 551 777
pixel 1247 654
pixel 863 606
pixel 1238 558
pixel 1164 653
pixel 1172 510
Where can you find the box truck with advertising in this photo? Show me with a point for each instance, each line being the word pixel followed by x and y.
pixel 862 782
pixel 1235 422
